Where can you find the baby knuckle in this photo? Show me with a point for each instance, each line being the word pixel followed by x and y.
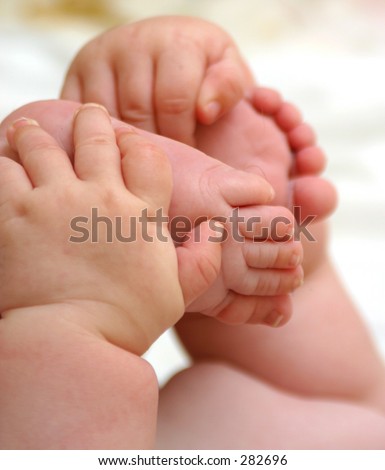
pixel 135 114
pixel 279 284
pixel 208 271
pixel 263 256
pixel 22 208
pixel 13 212
pixel 210 181
pixel 39 145
pixel 244 285
pixel 175 105
pixel 148 149
pixel 110 198
pixel 100 139
pixel 255 256
pixel 274 256
pixel 268 284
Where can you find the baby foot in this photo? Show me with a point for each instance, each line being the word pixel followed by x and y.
pixel 207 188
pixel 277 145
pixel 264 144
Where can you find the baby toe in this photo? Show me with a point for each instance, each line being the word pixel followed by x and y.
pixel 271 311
pixel 310 160
pixel 288 117
pixel 266 100
pixel 269 282
pixel 301 136
pixel 272 255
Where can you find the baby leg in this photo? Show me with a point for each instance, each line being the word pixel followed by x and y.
pixel 324 351
pixel 326 334
pixel 54 397
pixel 215 406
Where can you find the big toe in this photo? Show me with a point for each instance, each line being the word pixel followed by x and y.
pixel 315 196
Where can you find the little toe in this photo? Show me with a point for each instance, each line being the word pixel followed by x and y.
pixel 239 309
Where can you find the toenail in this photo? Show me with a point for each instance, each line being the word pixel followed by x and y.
pixel 273 319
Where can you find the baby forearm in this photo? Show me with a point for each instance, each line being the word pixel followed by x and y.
pixel 65 387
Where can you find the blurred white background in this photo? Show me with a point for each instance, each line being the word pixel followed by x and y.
pixel 327 56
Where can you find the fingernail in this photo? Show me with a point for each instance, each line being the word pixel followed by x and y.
pixel 125 130
pixel 212 110
pixel 273 319
pixel 90 105
pixel 94 105
pixel 23 121
pixel 298 282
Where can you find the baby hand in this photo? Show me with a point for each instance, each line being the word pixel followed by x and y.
pixel 161 74
pixel 87 234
